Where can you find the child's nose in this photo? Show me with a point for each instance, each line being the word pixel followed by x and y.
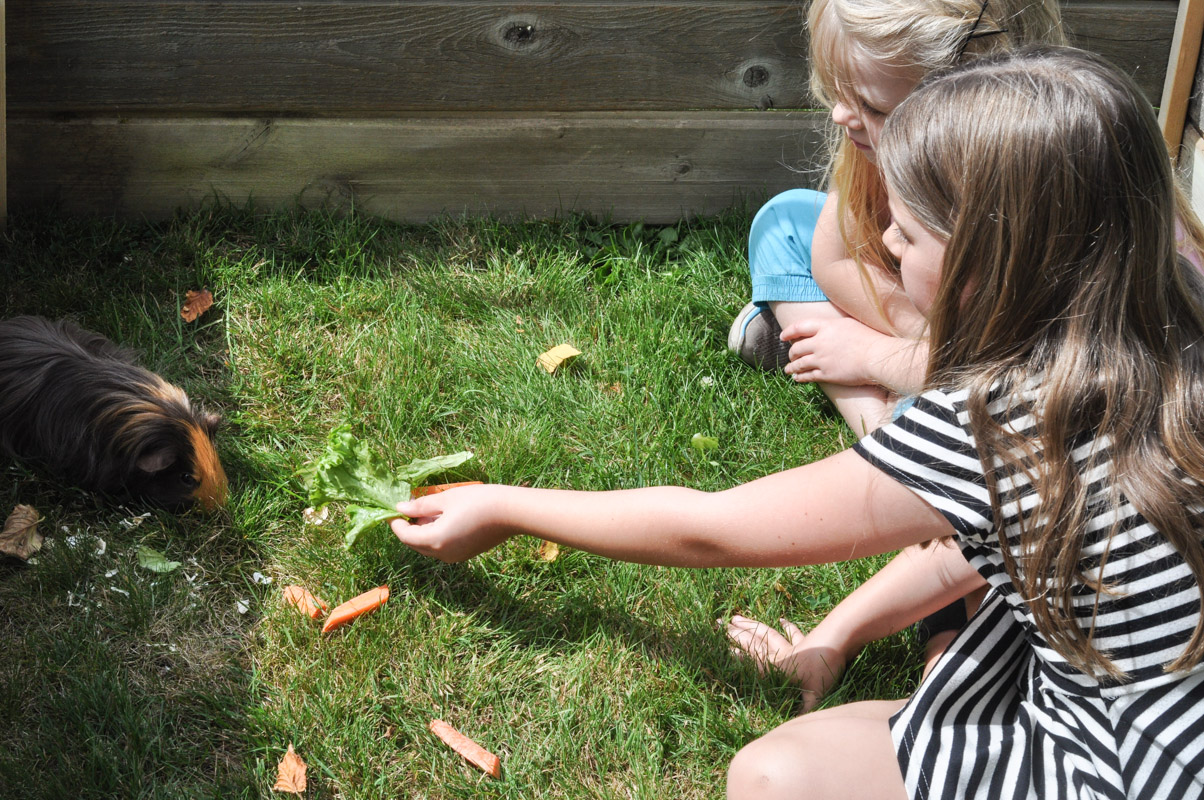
pixel 843 116
pixel 890 238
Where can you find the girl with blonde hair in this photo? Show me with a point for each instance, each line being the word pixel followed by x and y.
pixel 1057 444
pixel 819 268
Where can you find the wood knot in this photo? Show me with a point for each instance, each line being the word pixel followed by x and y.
pixel 756 76
pixel 519 34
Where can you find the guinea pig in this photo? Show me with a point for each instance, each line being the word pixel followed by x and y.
pixel 78 407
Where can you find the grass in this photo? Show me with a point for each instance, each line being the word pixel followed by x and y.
pixel 589 678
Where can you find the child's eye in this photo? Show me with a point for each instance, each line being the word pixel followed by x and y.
pixel 899 234
pixel 870 110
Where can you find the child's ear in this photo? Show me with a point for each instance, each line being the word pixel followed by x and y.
pixel 156 460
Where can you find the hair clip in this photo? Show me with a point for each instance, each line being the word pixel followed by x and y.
pixel 973 34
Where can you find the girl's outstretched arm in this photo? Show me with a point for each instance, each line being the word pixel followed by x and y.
pixel 832 510
pixel 917 582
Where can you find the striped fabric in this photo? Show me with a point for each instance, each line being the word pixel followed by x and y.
pixel 1003 715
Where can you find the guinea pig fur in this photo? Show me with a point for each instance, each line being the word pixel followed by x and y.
pixel 76 405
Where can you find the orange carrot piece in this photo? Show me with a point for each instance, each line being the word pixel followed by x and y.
pixel 360 604
pixel 423 491
pixel 470 750
pixel 304 602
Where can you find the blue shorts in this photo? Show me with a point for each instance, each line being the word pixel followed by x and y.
pixel 779 248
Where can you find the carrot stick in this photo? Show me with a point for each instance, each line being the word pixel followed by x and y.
pixel 305 602
pixel 360 604
pixel 472 752
pixel 423 491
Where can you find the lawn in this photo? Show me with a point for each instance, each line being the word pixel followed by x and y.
pixel 588 678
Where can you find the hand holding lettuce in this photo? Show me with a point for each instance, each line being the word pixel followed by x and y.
pixel 349 472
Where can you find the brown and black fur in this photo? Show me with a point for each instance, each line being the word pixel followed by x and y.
pixel 76 405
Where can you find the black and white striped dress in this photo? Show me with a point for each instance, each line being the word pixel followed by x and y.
pixel 1003 715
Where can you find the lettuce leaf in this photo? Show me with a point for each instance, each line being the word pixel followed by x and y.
pixel 349 472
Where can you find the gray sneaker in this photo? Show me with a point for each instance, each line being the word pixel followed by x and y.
pixel 755 338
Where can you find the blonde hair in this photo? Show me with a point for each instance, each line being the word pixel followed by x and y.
pixel 1065 278
pixel 914 36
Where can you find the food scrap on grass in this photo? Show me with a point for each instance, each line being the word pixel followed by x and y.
pixel 356 606
pixel 305 602
pixel 470 750
pixel 348 471
pixel 423 491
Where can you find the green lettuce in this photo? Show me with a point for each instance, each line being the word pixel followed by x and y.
pixel 349 472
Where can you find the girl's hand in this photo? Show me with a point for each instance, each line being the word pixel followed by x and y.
pixel 831 351
pixel 807 660
pixel 846 352
pixel 454 525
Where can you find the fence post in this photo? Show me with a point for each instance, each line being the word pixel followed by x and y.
pixel 1176 90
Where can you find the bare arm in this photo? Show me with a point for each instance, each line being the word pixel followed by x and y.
pixel 837 274
pixel 917 582
pixel 836 509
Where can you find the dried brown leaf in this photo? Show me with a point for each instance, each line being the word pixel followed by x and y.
pixel 290 773
pixel 196 303
pixel 20 537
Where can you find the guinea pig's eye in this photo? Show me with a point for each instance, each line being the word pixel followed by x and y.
pixel 189 480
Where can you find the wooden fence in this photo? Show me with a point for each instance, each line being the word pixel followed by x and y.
pixel 628 110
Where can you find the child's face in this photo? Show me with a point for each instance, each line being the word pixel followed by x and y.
pixel 920 254
pixel 877 89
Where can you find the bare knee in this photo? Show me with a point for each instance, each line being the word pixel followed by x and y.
pixel 843 752
pixel 767 768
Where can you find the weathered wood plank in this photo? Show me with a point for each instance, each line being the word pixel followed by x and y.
pixel 628 166
pixel 3 124
pixel 369 57
pixel 360 58
pixel 1134 35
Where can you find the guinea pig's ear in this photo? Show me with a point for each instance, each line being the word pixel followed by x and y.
pixel 156 460
pixel 211 422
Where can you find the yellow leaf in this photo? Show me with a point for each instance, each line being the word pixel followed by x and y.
pixel 548 551
pixel 290 773
pixel 557 357
pixel 20 537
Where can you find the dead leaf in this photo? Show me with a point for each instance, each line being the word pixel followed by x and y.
pixel 290 773
pixel 558 356
pixel 548 551
pixel 20 537
pixel 196 303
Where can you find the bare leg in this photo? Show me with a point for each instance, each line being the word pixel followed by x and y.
pixel 844 752
pixel 864 408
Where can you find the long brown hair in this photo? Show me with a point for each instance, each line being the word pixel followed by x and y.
pixel 917 37
pixel 1048 176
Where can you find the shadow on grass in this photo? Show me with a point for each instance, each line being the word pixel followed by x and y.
pixel 550 617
